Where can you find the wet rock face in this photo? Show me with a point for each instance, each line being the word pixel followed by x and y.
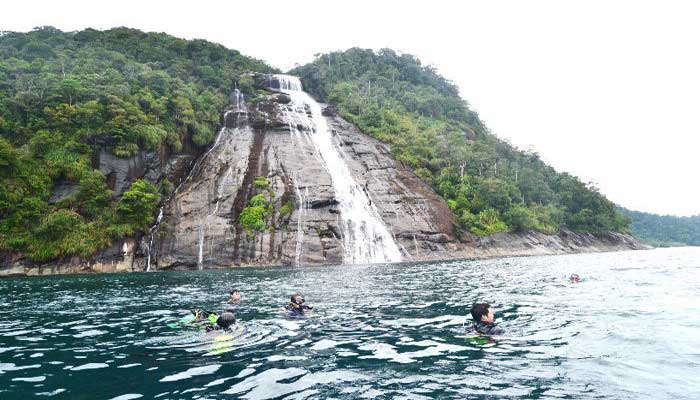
pixel 259 154
pixel 61 190
pixel 120 172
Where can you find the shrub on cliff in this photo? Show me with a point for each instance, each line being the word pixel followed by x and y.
pixel 260 182
pixel 64 233
pixel 252 218
pixel 138 204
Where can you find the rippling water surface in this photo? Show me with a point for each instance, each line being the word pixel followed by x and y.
pixel 630 329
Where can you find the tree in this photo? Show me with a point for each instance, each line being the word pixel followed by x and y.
pixel 93 196
pixel 138 204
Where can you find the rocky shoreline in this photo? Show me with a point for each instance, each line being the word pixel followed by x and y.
pixel 489 247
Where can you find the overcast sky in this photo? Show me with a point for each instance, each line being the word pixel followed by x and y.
pixel 606 90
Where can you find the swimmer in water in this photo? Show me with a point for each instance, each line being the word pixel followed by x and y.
pixel 574 278
pixel 235 296
pixel 203 316
pixel 483 320
pixel 296 305
pixel 225 322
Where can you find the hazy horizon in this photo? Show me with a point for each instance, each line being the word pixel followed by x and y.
pixel 605 92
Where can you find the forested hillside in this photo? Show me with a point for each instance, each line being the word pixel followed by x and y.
pixel 665 230
pixel 490 185
pixel 67 98
pixel 64 97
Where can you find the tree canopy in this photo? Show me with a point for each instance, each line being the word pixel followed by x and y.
pixel 665 230
pixel 66 96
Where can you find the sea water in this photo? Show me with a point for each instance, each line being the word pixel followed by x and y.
pixel 628 330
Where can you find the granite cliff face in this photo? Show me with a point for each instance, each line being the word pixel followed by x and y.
pixel 304 226
pixel 266 154
pixel 261 142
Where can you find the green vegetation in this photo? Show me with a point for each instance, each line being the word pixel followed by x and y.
pixel 64 97
pixel 258 200
pixel 665 230
pixel 260 182
pixel 252 218
pixel 138 204
pixel 286 209
pixel 490 185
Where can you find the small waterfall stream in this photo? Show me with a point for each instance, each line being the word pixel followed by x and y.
pixel 154 229
pixel 237 99
pixel 365 237
pixel 226 180
pixel 301 199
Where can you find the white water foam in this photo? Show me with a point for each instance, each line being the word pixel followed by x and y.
pixel 365 237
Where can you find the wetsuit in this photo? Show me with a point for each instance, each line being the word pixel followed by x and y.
pixel 231 307
pixel 297 310
pixel 212 328
pixel 487 329
pixel 204 316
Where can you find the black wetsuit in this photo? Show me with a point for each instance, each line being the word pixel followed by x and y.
pixel 487 329
pixel 212 328
pixel 232 307
pixel 297 310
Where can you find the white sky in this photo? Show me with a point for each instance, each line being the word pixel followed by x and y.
pixel 606 90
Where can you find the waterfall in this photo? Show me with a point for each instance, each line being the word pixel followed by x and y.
pixel 154 229
pixel 208 217
pixel 207 220
pixel 365 237
pixel 237 98
pixel 300 221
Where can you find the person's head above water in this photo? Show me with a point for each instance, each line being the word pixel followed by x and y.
pixel 235 296
pixel 574 278
pixel 297 299
pixel 482 312
pixel 226 319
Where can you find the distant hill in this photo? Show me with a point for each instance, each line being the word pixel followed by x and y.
pixel 490 185
pixel 665 230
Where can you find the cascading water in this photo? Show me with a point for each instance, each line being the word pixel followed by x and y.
pixel 300 221
pixel 227 179
pixel 237 99
pixel 365 238
pixel 154 229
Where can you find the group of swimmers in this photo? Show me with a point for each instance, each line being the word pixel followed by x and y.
pixel 227 319
pixel 482 313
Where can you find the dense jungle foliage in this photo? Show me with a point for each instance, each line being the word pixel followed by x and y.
pixel 490 185
pixel 665 230
pixel 66 96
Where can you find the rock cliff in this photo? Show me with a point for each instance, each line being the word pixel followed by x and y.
pixel 202 229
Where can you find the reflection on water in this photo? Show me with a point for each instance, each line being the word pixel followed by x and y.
pixel 628 330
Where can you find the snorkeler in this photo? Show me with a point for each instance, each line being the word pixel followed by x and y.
pixel 196 317
pixel 483 320
pixel 574 278
pixel 296 305
pixel 204 316
pixel 235 296
pixel 223 322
